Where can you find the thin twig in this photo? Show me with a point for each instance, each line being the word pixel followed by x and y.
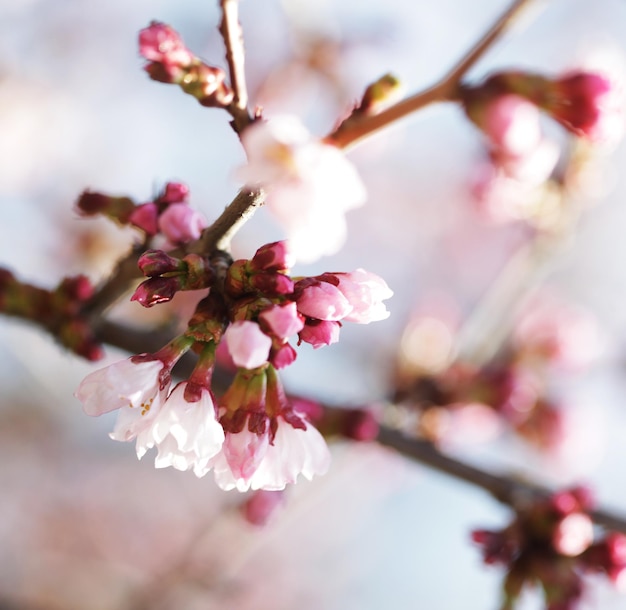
pixel 230 29
pixel 356 127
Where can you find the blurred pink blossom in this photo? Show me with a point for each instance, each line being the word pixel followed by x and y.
pixel 309 185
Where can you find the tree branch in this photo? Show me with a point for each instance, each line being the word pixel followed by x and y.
pixel 230 29
pixel 220 233
pixel 506 489
pixel 356 127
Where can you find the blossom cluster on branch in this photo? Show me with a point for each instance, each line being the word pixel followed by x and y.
pixel 252 436
pixel 551 543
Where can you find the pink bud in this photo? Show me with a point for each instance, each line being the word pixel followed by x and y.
pixel 588 104
pixel 283 321
pixel 261 505
pixel 181 223
pixel 283 356
pixel 248 345
pixel 161 43
pixel 366 292
pixel 271 282
pixel 273 257
pixel 174 192
pixel 573 534
pixel 320 333
pixel 145 217
pixel 156 262
pixel 323 301
pixel 156 290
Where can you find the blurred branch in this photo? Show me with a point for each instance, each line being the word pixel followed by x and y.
pixel 115 286
pixel 356 127
pixel 506 489
pixel 230 29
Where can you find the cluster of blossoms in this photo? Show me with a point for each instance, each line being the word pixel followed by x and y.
pixel 170 61
pixel 551 543
pixel 252 436
pixel 463 403
pixel 60 309
pixel 169 214
pixel 309 185
pixel 507 108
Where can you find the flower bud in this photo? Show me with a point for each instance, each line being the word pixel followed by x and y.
pixel 248 345
pixel 380 94
pixel 162 44
pixel 156 290
pixel 181 223
pixel 319 333
pixel 115 208
pixel 273 257
pixel 174 192
pixel 154 263
pixel 145 217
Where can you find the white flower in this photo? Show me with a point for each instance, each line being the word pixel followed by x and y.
pixel 132 387
pixel 294 451
pixel 186 434
pixel 309 185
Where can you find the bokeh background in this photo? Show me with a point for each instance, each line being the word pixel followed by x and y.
pixel 85 526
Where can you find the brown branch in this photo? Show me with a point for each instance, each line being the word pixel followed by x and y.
pixel 356 127
pixel 506 489
pixel 230 29
pixel 220 233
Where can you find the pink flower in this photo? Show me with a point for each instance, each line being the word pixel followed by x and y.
pixel 181 224
pixel 283 321
pixel 161 43
pixel 320 333
pixel 365 292
pixel 323 301
pixel 186 433
pixel 309 185
pixel 257 464
pixel 247 344
pixel 512 124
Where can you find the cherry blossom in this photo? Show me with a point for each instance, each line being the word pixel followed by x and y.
pixel 257 463
pixel 186 434
pixel 309 184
